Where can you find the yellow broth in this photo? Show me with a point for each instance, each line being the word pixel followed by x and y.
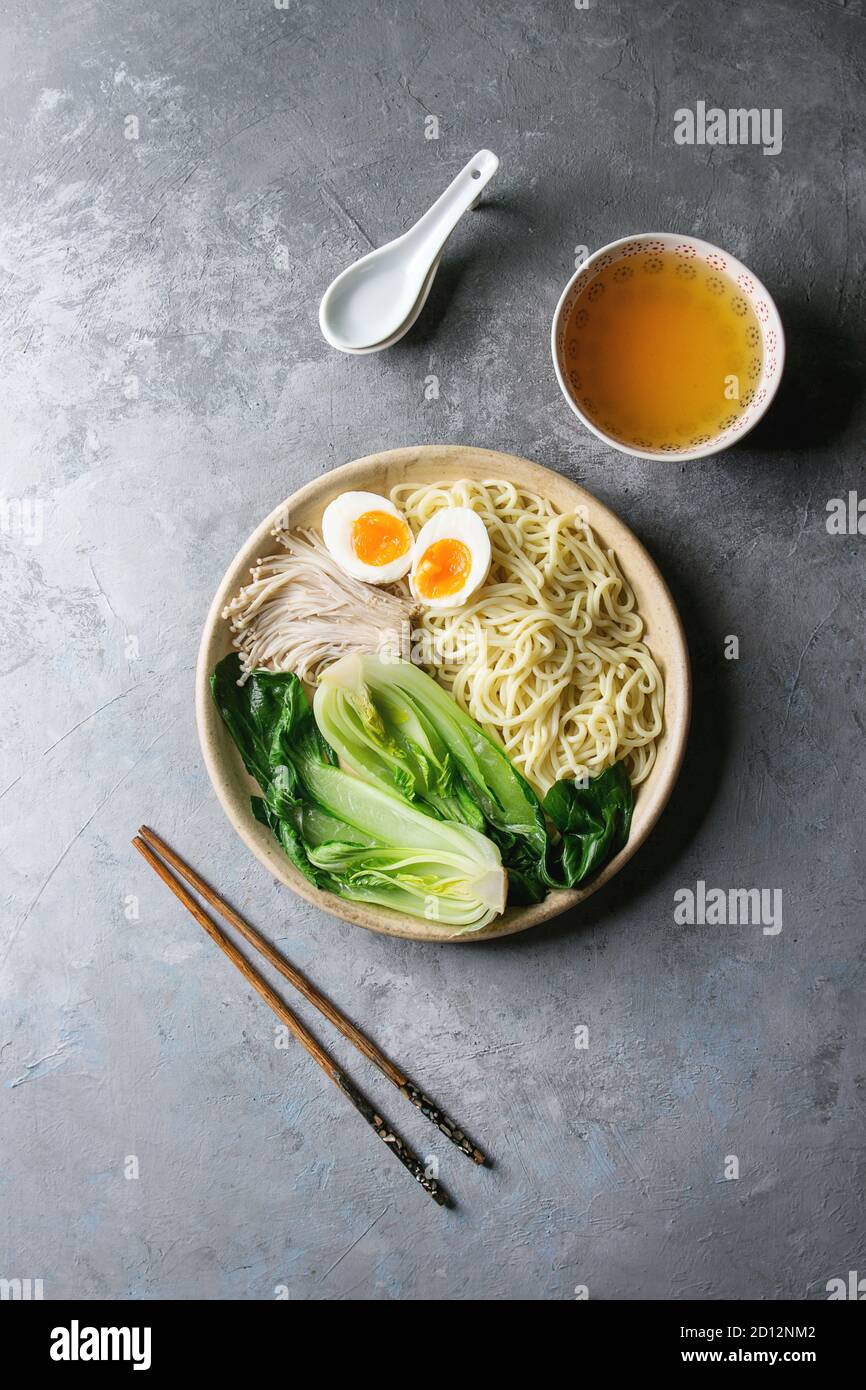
pixel 662 352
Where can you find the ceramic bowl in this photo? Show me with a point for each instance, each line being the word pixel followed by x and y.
pixel 429 464
pixel 687 248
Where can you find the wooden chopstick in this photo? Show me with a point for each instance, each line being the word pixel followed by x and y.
pixel 400 1150
pixel 320 1001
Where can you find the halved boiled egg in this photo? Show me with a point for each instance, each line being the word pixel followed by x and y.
pixel 452 558
pixel 368 537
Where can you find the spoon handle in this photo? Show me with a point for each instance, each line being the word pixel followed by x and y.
pixel 432 230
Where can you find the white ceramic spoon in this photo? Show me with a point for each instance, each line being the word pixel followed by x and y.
pixel 404 327
pixel 375 301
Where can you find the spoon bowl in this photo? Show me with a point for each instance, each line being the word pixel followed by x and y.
pixel 406 325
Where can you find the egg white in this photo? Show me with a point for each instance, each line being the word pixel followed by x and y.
pixel 337 521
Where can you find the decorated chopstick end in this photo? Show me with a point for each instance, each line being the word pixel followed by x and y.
pixel 438 1117
pixel 407 1157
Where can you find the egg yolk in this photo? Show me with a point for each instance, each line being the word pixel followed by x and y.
pixel 443 568
pixel 378 538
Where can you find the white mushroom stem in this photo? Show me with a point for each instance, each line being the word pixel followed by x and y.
pixel 300 611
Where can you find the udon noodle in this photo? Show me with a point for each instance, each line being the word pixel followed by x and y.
pixel 548 655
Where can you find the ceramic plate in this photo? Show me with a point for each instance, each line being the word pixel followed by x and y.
pixel 429 464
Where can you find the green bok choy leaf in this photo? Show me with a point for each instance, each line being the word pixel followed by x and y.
pixel 348 834
pixel 593 823
pixel 394 726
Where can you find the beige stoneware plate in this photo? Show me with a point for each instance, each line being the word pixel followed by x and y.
pixel 429 464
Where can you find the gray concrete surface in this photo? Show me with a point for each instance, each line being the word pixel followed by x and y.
pixel 165 385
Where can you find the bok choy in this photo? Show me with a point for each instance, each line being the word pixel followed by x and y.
pixel 388 792
pixel 349 835
pixel 394 726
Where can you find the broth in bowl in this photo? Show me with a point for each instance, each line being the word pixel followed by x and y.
pixel 665 346
pixel 662 351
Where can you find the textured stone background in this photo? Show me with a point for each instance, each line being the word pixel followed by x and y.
pixel 274 147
